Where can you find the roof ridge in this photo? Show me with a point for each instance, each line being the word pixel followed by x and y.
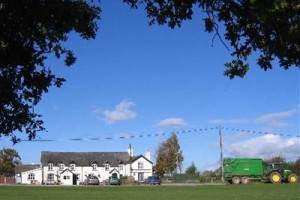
pixel 84 158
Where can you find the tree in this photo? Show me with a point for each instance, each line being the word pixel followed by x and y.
pixel 268 28
pixel 210 175
pixel 168 156
pixel 296 167
pixel 8 159
pixel 192 169
pixel 30 32
pixel 279 159
pixel 275 159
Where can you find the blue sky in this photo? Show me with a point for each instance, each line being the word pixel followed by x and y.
pixel 142 82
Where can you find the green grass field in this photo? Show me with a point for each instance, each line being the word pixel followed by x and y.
pixel 205 192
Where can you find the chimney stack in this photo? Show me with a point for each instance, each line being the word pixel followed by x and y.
pixel 148 155
pixel 130 151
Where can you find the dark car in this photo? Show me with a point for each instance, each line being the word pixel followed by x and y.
pixel 153 180
pixel 114 180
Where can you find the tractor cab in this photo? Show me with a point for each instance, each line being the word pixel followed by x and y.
pixel 275 173
pixel 274 167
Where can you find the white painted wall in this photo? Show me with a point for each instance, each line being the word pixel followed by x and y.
pixel 37 176
pixel 66 178
pixel 146 169
pixel 41 174
pixel 83 172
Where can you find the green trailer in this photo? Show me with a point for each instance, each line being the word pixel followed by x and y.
pixel 243 170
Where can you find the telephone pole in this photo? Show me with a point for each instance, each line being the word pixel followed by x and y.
pixel 221 154
pixel 130 159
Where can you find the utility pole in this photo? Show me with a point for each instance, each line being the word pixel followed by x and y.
pixel 221 154
pixel 130 157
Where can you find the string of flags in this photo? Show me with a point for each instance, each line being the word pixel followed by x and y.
pixel 146 135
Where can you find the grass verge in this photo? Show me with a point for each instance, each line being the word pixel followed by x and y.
pixel 210 192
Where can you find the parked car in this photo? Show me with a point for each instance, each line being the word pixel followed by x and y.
pixel 91 180
pixel 152 180
pixel 114 180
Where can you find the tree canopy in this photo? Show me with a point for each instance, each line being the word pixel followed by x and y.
pixel 269 28
pixel 296 167
pixel 192 169
pixel 8 159
pixel 292 165
pixel 168 156
pixel 30 32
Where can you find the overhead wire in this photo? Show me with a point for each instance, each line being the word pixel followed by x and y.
pixel 261 132
pixel 156 134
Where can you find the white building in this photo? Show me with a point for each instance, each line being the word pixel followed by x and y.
pixel 28 174
pixel 72 168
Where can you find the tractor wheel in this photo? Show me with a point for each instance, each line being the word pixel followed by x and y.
pixel 245 180
pixel 236 180
pixel 292 178
pixel 275 178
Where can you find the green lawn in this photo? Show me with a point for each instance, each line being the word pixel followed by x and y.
pixel 208 192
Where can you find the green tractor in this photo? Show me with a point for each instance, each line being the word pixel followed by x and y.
pixel 275 173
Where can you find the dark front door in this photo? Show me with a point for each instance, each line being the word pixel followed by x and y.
pixel 140 176
pixel 74 179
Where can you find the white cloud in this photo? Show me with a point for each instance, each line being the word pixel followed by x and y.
pixel 172 122
pixel 271 120
pixel 276 119
pixel 212 166
pixel 264 146
pixel 237 137
pixel 121 112
pixel 230 121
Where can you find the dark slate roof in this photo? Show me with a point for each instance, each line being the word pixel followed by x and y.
pixel 66 170
pixel 84 158
pixel 140 156
pixel 23 168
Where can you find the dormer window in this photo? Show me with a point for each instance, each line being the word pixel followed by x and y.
pixel 106 167
pixel 50 167
pixel 61 167
pixel 72 166
pixel 94 166
pixel 121 166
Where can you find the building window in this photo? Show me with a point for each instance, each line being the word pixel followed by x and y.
pixel 94 166
pixel 31 176
pixel 50 177
pixel 61 167
pixel 121 166
pixel 66 177
pixel 106 167
pixel 50 166
pixel 72 166
pixel 140 165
